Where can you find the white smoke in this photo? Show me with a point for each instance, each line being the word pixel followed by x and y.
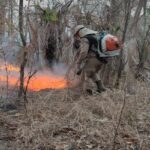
pixel 59 69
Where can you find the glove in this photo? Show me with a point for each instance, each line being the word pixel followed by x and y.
pixel 79 72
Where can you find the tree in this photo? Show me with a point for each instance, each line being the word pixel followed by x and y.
pixel 24 60
pixel 3 4
pixel 127 18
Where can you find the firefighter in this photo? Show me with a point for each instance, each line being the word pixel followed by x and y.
pixel 92 50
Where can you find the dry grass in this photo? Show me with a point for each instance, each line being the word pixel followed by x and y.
pixel 66 120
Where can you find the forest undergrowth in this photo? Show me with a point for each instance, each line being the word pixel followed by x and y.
pixel 68 120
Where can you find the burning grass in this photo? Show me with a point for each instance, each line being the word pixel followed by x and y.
pixel 67 120
pixel 44 79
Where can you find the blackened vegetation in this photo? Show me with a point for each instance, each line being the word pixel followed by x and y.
pixel 54 18
pixel 50 50
pixel 53 49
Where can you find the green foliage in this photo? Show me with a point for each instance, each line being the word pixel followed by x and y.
pixel 37 6
pixel 2 3
pixel 50 15
pixel 115 29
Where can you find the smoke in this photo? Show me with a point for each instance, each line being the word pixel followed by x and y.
pixel 59 69
pixel 54 76
pixel 45 78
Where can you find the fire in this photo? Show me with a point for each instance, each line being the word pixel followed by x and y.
pixel 47 82
pixel 42 80
pixel 11 80
pixel 10 68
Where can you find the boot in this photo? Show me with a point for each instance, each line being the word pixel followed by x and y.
pixel 89 91
pixel 100 86
pixel 79 72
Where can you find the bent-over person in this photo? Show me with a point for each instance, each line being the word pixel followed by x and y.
pixel 92 49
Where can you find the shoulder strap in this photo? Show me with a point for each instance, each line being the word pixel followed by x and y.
pixel 95 42
pixel 92 41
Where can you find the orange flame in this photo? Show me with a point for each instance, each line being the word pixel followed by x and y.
pixel 37 82
pixel 11 80
pixel 10 68
pixel 44 82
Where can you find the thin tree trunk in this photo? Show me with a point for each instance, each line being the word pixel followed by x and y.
pixel 143 48
pixel 127 18
pixel 24 61
pixel 21 23
pixel 137 14
pixel 2 19
pixel 22 67
pixel 11 15
pixel 143 51
pixel 114 11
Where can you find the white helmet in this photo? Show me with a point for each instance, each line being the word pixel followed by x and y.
pixel 77 28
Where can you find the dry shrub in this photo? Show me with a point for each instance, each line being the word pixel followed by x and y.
pixel 65 119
